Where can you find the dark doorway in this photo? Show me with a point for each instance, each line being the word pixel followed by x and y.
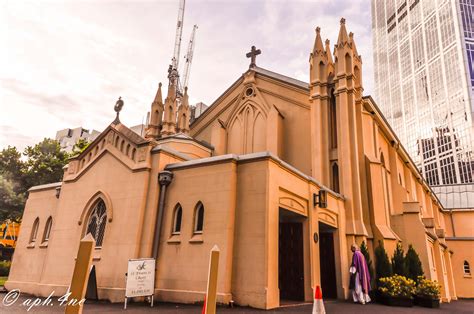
pixel 327 261
pixel 290 259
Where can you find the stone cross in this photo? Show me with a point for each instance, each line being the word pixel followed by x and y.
pixel 254 52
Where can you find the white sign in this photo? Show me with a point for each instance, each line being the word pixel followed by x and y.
pixel 140 277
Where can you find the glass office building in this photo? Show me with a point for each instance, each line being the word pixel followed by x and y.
pixel 424 84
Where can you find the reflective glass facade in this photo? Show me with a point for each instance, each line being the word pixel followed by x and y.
pixel 424 78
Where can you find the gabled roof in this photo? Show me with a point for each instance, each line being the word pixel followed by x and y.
pixel 119 128
pixel 281 77
pixel 129 134
pixel 186 137
pixel 259 71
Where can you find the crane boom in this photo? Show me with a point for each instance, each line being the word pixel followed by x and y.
pixel 179 33
pixel 189 57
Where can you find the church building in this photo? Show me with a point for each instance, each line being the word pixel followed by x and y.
pixel 282 175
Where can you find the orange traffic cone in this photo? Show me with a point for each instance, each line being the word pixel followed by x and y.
pixel 204 306
pixel 318 305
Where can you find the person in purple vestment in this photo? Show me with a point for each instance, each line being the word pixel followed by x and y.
pixel 360 277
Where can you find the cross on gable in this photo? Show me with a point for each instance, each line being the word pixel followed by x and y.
pixel 254 52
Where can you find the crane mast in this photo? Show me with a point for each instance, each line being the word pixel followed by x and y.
pixel 179 33
pixel 189 58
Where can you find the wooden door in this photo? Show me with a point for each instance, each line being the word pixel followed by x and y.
pixel 327 265
pixel 291 264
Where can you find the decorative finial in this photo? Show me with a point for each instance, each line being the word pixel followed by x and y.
pixel 327 42
pixel 254 52
pixel 118 108
pixel 159 84
pixel 318 30
pixel 343 21
pixel 351 34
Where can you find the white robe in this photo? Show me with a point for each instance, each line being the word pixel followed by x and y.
pixel 357 294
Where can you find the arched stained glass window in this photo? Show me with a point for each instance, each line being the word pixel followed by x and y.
pixel 97 221
pixel 177 219
pixel 34 231
pixel 199 218
pixel 47 229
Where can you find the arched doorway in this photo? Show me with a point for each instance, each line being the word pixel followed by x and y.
pixel 291 256
pixel 327 260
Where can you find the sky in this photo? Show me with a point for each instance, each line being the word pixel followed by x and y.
pixel 63 64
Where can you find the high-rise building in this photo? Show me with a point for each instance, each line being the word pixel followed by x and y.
pixel 67 138
pixel 424 74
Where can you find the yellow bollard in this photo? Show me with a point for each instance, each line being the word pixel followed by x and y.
pixel 211 295
pixel 80 275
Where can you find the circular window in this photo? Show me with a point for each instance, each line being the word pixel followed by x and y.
pixel 249 91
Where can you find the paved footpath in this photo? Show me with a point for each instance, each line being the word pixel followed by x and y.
pixel 332 306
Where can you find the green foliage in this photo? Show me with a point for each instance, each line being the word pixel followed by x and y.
pixel 11 203
pixel 413 264
pixel 365 251
pixel 397 286
pixel 80 146
pixel 428 288
pixel 44 164
pixel 11 165
pixel 383 268
pixel 5 268
pixel 398 261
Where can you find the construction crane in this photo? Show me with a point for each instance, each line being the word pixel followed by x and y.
pixel 189 58
pixel 179 34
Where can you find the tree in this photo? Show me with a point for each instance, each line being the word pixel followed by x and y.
pixel 80 146
pixel 398 261
pixel 44 164
pixel 11 165
pixel 413 264
pixel 383 268
pixel 365 251
pixel 11 203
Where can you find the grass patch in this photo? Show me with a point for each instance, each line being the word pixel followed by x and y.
pixel 2 280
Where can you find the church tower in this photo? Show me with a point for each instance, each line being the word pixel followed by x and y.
pixel 336 100
pixel 184 113
pixel 319 62
pixel 348 92
pixel 169 118
pixel 156 116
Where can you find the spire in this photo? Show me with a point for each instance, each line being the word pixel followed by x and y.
pixel 328 52
pixel 353 45
pixel 184 114
pixel 156 116
pixel 158 96
pixel 185 98
pixel 342 38
pixel 318 43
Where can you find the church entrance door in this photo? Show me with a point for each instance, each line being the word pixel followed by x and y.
pixel 327 261
pixel 290 259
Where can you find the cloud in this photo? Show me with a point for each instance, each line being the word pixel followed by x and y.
pixel 66 62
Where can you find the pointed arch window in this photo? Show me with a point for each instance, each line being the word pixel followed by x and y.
pixel 332 120
pixel 177 219
pixel 199 218
pixel 335 177
pixel 34 231
pixel 97 221
pixel 467 269
pixel 47 229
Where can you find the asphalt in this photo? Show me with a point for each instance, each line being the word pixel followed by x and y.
pixel 332 306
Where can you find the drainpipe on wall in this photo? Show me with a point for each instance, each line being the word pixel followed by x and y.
pixel 164 179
